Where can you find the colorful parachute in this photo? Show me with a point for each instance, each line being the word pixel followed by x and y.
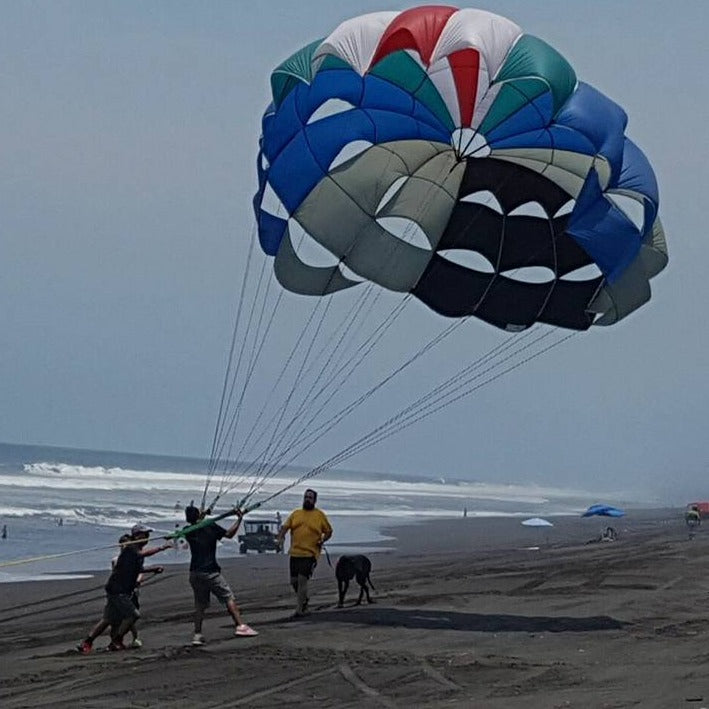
pixel 447 154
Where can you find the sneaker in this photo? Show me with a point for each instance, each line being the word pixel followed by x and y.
pixel 245 631
pixel 198 639
pixel 137 642
pixel 115 646
pixel 85 647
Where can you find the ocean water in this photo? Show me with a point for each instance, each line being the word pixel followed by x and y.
pixel 73 505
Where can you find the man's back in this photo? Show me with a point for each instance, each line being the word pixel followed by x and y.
pixel 203 548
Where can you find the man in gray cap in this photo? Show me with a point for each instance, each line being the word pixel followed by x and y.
pixel 120 611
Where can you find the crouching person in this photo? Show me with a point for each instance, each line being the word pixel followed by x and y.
pixel 120 611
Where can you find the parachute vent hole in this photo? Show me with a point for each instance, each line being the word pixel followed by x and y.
pixel 391 192
pixel 585 273
pixel 472 260
pixel 407 230
pixel 565 208
pixel 529 209
pixel 484 197
pixel 307 248
pixel 349 151
pixel 271 203
pixel 331 107
pixel 633 209
pixel 530 274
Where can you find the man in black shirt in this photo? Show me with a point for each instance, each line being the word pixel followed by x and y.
pixel 205 573
pixel 120 612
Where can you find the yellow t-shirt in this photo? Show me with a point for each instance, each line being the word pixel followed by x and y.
pixel 307 528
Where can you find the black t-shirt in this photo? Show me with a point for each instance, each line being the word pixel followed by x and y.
pixel 125 574
pixel 203 547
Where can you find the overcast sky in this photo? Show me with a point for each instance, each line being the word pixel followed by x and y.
pixel 128 136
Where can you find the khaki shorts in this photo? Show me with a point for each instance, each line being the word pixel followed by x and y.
pixel 204 585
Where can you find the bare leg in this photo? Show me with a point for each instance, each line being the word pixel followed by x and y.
pixel 234 612
pixel 97 630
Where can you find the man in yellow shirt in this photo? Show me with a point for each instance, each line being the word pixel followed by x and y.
pixel 309 529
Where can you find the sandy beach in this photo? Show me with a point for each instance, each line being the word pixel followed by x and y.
pixel 469 613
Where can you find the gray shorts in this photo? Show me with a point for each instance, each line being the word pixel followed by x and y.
pixel 119 607
pixel 205 584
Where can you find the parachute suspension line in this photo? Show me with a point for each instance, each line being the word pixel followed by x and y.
pixel 312 395
pixel 223 488
pixel 324 429
pixel 298 380
pixel 463 394
pixel 430 404
pixel 344 373
pixel 275 463
pixel 343 327
pixel 309 400
pixel 232 426
pixel 227 373
pixel 229 468
pixel 372 439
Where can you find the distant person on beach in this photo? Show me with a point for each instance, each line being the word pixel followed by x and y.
pixel 310 529
pixel 4 531
pixel 120 611
pixel 205 573
pixel 693 518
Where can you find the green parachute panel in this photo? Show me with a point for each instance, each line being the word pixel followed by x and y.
pixel 403 71
pixel 511 97
pixel 531 68
pixel 298 67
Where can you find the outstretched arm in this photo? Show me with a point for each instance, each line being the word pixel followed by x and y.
pixel 234 527
pixel 153 550
pixel 150 570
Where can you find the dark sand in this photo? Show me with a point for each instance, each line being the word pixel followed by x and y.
pixel 466 616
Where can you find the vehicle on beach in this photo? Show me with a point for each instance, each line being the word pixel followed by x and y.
pixel 701 507
pixel 259 535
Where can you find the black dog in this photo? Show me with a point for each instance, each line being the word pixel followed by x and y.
pixel 357 567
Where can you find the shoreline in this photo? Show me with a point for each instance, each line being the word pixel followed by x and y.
pixel 442 535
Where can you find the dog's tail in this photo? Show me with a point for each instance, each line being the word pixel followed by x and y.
pixel 369 580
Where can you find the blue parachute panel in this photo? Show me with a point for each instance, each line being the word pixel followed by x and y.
pixel 603 231
pixel 534 115
pixel 601 120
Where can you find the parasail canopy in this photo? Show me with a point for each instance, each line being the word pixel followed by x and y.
pixel 446 153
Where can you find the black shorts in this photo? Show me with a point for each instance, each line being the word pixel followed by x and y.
pixel 119 607
pixel 302 566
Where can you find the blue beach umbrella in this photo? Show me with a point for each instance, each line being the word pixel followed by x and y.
pixel 603 511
